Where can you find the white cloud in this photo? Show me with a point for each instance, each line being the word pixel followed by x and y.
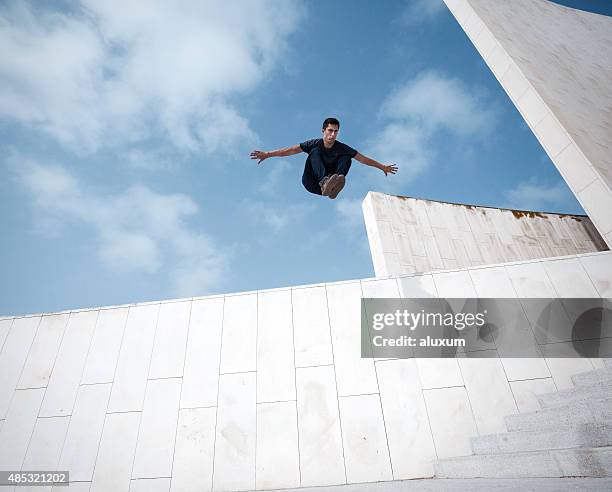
pixel 540 196
pixel 421 11
pixel 146 160
pixel 272 176
pixel 404 144
pixel 276 216
pixel 350 212
pixel 138 229
pixel 115 71
pixel 415 114
pixel 434 102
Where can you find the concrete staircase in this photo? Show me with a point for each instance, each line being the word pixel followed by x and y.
pixel 571 436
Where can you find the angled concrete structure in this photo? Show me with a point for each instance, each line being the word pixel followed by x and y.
pixel 267 389
pixel 554 64
pixel 410 235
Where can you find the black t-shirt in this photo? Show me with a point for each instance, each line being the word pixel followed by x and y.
pixel 328 156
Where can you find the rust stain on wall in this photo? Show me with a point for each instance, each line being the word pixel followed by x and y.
pixel 521 213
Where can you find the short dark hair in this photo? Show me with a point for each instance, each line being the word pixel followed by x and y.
pixel 330 121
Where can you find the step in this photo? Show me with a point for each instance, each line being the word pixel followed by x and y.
pixel 578 413
pixel 597 376
pixel 581 462
pixel 607 363
pixel 579 393
pixel 591 435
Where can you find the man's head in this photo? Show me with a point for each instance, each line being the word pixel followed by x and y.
pixel 331 127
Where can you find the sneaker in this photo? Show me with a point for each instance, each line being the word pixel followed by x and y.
pixel 327 184
pixel 338 185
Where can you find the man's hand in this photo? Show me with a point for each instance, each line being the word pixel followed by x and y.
pixel 259 154
pixel 390 169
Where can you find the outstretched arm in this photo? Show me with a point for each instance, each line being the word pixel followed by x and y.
pixel 262 155
pixel 391 168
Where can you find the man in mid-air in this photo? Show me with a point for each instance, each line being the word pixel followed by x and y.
pixel 328 162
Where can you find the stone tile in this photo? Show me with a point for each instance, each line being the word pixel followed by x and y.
pixel 238 344
pixel 443 241
pixel 498 61
pixel 552 135
pixel 311 330
pixel 433 253
pixel 320 441
pixel 403 246
pixel 492 282
pixel 386 288
pixel 518 368
pixel 485 42
pixel 277 446
pixel 5 327
pixel 514 82
pixel 73 487
pixel 386 236
pixel 596 199
pixel 439 373
pixel 532 107
pixel 18 427
pixel 45 446
pixel 203 353
pixel 419 286
pixel 489 392
pixel 105 345
pixel 150 485
pixel 116 454
pixel 157 432
pixel 496 282
pixel 381 289
pixel 451 420
pixel 64 383
pixel 363 435
pixel 355 376
pixel 550 323
pixel 38 366
pixel 168 356
pixel 473 25
pixel 235 443
pixel 275 363
pixel 392 264
pixel 454 284
pixel 563 368
pixel 530 280
pixel 599 270
pixel 575 168
pixel 525 392
pixel 84 432
pixel 13 357
pixel 134 358
pixel 410 440
pixel 570 278
pixel 192 470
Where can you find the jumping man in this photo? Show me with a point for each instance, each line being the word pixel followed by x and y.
pixel 328 162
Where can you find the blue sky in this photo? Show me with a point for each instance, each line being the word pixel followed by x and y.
pixel 126 127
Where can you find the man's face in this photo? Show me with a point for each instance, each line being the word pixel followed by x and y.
pixel 330 133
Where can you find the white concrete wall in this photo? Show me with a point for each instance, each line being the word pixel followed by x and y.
pixel 554 62
pixel 265 389
pixel 410 235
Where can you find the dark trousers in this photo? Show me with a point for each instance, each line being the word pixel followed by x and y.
pixel 315 170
